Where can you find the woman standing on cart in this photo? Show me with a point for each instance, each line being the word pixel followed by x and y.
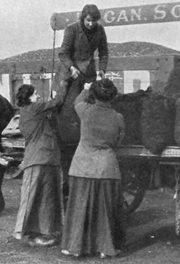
pixel 81 40
pixel 40 212
pixel 94 221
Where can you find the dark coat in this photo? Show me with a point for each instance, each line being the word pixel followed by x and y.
pixel 102 129
pixel 76 50
pixel 6 113
pixel 41 147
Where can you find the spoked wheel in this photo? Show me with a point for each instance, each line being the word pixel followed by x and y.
pixel 133 191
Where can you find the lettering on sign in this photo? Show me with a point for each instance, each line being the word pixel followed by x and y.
pixel 168 12
pixel 172 152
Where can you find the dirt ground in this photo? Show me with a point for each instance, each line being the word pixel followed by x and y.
pixel 151 234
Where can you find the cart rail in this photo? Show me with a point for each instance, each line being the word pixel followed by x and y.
pixel 140 152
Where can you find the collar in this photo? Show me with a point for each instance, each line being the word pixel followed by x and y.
pixel 80 29
pixel 103 104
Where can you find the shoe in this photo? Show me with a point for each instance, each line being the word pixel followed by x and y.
pixel 41 241
pixel 17 235
pixel 67 253
pixel 102 255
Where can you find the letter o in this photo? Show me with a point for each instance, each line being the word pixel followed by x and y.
pixel 174 11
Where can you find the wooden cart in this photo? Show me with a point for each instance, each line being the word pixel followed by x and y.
pixel 142 170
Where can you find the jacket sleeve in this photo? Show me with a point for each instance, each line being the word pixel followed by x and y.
pixel 81 103
pixel 103 51
pixel 67 47
pixel 46 107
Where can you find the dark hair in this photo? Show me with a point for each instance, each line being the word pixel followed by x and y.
pixel 23 94
pixel 91 10
pixel 104 90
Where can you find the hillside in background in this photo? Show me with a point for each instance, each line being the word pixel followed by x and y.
pixel 127 49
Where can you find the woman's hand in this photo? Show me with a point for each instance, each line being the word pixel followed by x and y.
pixel 102 74
pixel 74 72
pixel 87 86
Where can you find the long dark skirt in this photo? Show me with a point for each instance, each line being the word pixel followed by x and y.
pixel 40 209
pixel 94 219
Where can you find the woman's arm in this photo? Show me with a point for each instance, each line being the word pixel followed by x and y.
pixel 44 107
pixel 81 102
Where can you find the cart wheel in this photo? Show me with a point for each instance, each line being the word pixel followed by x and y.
pixel 133 191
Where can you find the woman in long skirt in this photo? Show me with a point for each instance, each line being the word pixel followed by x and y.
pixel 95 221
pixel 40 213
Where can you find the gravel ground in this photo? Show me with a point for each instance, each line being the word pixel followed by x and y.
pixel 151 234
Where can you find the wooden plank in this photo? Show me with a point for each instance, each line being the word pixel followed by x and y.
pixel 133 63
pixel 30 67
pixel 114 64
pixel 139 151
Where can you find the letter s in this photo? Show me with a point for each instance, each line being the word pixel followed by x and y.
pixel 160 14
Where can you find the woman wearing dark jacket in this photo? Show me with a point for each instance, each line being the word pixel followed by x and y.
pixel 94 221
pixel 81 40
pixel 40 212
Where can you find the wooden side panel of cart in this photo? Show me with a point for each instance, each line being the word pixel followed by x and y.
pixel 159 68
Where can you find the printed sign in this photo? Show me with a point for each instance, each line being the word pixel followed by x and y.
pixel 157 13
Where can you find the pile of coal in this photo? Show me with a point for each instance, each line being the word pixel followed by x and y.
pixel 149 118
pixel 158 122
pixel 130 106
pixel 171 88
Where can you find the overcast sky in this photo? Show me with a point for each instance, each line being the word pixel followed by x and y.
pixel 25 24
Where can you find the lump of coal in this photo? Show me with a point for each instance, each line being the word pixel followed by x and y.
pixel 171 88
pixel 157 122
pixel 130 106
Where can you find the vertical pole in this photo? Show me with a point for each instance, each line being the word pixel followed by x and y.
pixel 52 73
pixel 11 88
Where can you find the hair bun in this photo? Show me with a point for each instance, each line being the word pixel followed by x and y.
pixel 104 89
